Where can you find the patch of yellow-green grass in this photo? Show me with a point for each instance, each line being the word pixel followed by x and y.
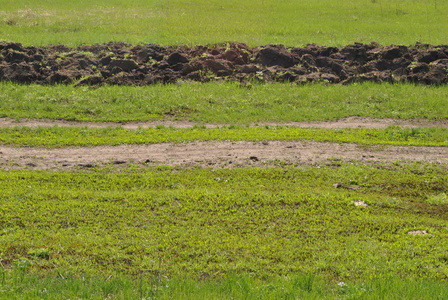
pixel 54 137
pixel 206 223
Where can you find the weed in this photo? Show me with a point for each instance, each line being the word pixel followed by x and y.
pixel 42 253
pixel 440 199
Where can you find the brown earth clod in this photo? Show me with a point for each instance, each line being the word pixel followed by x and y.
pixel 123 64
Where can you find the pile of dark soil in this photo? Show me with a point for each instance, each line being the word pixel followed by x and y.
pixel 119 63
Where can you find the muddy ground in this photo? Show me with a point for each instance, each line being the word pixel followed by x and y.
pixel 122 64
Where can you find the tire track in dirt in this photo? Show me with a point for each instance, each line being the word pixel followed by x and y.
pixel 336 124
pixel 217 153
pixel 214 154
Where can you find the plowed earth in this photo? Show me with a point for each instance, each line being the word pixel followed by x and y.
pixel 122 64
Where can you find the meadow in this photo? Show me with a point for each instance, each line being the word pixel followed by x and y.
pixel 338 231
pixel 255 22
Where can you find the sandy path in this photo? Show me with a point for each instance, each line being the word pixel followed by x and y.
pixel 343 123
pixel 213 154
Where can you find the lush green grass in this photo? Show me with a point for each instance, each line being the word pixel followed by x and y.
pixel 212 222
pixel 223 102
pixel 18 285
pixel 53 137
pixel 256 22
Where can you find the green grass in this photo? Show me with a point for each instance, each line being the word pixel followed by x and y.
pixel 256 22
pixel 207 223
pixel 54 137
pixel 225 103
pixel 18 285
pixel 287 232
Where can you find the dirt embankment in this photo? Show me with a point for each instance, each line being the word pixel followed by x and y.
pixel 119 63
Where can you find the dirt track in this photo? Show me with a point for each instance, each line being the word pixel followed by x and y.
pixel 342 123
pixel 213 154
pixel 122 64
pixel 218 154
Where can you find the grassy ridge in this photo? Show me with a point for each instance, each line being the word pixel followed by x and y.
pixel 52 137
pixel 225 103
pixel 256 22
pixel 208 222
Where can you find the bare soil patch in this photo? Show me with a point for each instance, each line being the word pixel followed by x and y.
pixel 214 154
pixel 352 122
pixel 123 64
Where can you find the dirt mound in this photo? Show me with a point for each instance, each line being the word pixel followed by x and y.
pixel 123 64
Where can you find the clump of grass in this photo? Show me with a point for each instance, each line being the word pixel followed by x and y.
pixel 439 199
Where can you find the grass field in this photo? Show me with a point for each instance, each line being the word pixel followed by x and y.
pixel 223 103
pixel 145 232
pixel 255 22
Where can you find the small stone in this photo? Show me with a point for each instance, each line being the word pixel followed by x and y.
pixel 337 185
pixel 86 165
pixel 418 232
pixel 361 203
pixel 353 187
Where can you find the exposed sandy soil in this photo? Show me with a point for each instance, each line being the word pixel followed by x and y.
pixel 342 123
pixel 214 154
